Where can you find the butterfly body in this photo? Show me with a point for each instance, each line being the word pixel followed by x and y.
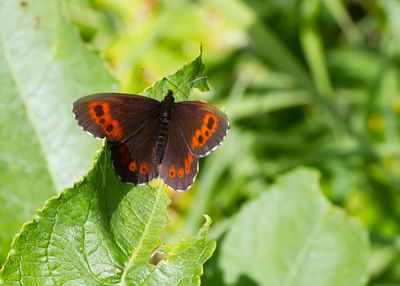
pixel 149 138
pixel 167 106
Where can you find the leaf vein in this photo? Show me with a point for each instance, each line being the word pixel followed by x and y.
pixel 143 237
pixel 305 250
pixel 28 112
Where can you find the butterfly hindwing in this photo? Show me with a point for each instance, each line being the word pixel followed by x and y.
pixel 179 166
pixel 203 126
pixel 134 160
pixel 115 116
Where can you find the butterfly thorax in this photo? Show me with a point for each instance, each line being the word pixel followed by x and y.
pixel 167 106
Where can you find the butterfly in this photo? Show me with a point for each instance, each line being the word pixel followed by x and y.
pixel 149 138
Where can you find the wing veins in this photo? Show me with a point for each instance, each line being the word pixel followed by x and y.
pixel 184 138
pixel 146 122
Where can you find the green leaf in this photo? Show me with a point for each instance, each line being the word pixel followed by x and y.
pixel 44 68
pixel 291 235
pixel 99 233
pixel 191 75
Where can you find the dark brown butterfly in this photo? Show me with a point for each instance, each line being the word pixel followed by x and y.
pixel 150 138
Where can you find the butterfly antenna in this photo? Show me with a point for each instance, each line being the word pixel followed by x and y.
pixel 197 79
pixel 147 76
pixel 174 86
pixel 190 82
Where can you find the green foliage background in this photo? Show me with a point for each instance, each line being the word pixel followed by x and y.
pixel 304 83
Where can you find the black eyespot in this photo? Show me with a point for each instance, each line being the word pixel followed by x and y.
pixel 201 139
pixel 110 128
pixel 210 123
pixel 98 109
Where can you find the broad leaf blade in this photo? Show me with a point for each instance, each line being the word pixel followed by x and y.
pixel 99 233
pixel 291 235
pixel 44 68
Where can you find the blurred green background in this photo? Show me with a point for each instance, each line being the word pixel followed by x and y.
pixel 304 83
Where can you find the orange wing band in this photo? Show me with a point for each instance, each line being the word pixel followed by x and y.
pixel 100 113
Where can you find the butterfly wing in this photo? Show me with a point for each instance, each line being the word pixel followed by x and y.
pixel 179 166
pixel 130 123
pixel 116 116
pixel 134 160
pixel 203 126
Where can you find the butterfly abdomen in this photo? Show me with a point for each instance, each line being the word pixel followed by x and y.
pixel 162 140
pixel 166 110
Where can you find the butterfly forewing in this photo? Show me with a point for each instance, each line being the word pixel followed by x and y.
pixel 179 166
pixel 115 116
pixel 203 126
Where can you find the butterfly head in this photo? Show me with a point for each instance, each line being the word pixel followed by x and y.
pixel 169 97
pixel 167 104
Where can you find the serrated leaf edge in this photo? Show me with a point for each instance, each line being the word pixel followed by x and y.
pixel 166 78
pixel 201 235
